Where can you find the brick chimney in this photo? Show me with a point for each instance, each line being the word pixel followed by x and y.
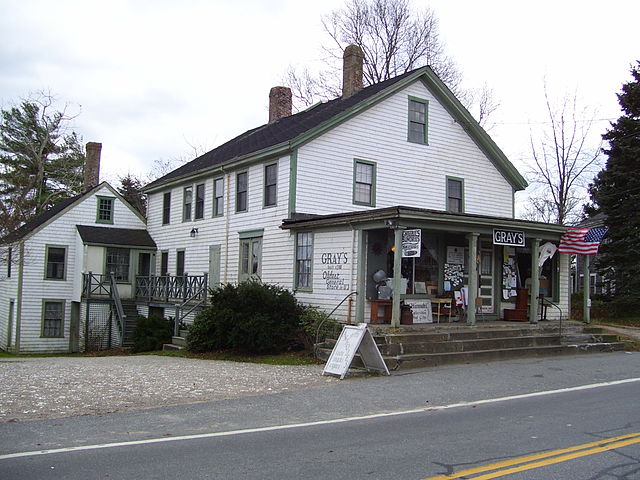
pixel 279 103
pixel 352 61
pixel 92 165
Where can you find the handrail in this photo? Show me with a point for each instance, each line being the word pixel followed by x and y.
pixel 200 293
pixel 315 345
pixel 120 316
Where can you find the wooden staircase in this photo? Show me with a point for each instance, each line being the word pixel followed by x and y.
pixel 131 312
pixel 435 345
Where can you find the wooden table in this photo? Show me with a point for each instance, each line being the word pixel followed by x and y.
pixel 442 303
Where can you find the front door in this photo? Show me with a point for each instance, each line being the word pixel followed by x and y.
pixel 144 264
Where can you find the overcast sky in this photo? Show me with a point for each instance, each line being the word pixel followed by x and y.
pixel 153 79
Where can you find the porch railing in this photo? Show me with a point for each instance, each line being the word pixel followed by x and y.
pixel 97 285
pixel 169 288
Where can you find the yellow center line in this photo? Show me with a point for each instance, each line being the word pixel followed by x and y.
pixel 548 458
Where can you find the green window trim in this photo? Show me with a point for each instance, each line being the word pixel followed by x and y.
pixel 364 182
pixel 250 259
pixel 259 232
pixel 52 266
pixel 242 191
pixel 303 267
pixel 104 209
pixel 452 196
pixel 187 203
pixel 166 208
pixel 270 194
pixel 418 120
pixel 52 327
pixel 218 197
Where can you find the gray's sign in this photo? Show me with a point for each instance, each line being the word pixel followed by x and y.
pixel 511 238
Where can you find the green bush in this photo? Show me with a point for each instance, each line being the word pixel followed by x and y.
pixel 151 333
pixel 250 317
pixel 316 326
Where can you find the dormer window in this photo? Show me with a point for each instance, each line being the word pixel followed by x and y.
pixel 105 210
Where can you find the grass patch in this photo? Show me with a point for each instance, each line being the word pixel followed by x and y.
pixel 295 358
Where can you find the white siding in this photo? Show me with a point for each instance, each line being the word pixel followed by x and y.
pixel 277 246
pixel 8 292
pixel 61 232
pixel 407 173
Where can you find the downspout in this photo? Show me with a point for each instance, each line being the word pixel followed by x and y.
pixel 19 295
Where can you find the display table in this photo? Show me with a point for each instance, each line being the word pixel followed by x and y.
pixel 440 307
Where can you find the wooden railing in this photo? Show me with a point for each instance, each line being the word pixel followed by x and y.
pixel 172 289
pixel 98 285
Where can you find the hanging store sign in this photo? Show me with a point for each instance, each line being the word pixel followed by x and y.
pixel 411 241
pixel 510 238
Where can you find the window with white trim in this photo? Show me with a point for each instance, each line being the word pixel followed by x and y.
pixel 187 202
pixel 218 197
pixel 241 192
pixel 304 260
pixel 199 213
pixel 364 178
pixel 417 120
pixel 270 184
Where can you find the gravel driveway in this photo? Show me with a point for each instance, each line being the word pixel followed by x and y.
pixel 33 388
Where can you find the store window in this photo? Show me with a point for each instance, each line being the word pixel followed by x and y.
pixel 304 259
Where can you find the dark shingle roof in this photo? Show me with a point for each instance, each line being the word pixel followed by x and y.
pixel 41 219
pixel 282 130
pixel 115 236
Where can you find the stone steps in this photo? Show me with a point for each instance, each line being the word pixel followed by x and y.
pixel 435 345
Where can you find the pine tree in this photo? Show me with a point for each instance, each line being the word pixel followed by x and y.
pixel 131 189
pixel 40 161
pixel 616 193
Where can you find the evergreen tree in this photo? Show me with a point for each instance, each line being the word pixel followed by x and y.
pixel 41 162
pixel 616 193
pixel 131 189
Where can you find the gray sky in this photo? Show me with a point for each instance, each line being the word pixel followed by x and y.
pixel 153 79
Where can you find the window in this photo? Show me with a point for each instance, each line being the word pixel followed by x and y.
pixel 164 263
pixel 241 192
pixel 166 208
pixel 55 263
pixel 199 201
pixel 304 259
pixel 118 263
pixel 53 318
pixel 270 184
pixel 417 120
pixel 218 197
pixel 105 210
pixel 250 255
pixel 364 178
pixel 9 260
pixel 187 200
pixel 180 263
pixel 454 195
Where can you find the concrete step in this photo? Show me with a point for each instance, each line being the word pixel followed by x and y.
pixel 171 346
pixel 179 341
pixel 474 344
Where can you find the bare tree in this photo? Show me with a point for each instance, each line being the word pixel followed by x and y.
pixel 395 39
pixel 564 162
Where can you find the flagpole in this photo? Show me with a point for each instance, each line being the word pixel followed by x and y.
pixel 586 303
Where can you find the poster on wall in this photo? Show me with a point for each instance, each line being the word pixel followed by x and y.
pixel 455 255
pixel 453 276
pixel 411 241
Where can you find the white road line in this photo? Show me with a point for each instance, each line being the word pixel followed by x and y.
pixel 312 424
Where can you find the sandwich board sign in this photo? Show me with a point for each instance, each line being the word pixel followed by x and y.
pixel 354 338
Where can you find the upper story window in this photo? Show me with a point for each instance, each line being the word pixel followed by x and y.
pixel 218 197
pixel 241 192
pixel 55 266
pixel 187 201
pixel 418 120
pixel 166 208
pixel 455 197
pixel 270 184
pixel 105 210
pixel 304 259
pixel 199 201
pixel 364 183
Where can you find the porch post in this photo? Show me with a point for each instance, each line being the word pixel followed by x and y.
pixel 397 278
pixel 535 281
pixel 586 290
pixel 473 277
pixel 361 280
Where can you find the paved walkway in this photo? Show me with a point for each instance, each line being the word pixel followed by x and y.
pixel 34 388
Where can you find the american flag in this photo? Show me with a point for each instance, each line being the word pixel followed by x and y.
pixel 582 241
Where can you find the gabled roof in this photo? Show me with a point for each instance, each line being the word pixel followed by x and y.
pixel 132 237
pixel 59 208
pixel 287 133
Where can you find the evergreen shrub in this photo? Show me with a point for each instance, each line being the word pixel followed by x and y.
pixel 249 317
pixel 151 333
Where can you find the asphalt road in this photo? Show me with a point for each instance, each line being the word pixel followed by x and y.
pixel 433 439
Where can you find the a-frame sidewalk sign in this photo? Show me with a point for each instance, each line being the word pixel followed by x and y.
pixel 354 338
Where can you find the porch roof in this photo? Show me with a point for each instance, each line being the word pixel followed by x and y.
pixel 128 237
pixel 412 217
